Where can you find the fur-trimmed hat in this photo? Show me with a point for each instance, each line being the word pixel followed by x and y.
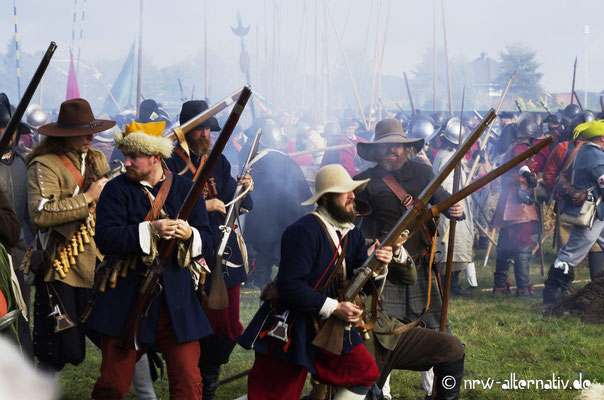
pixel 144 138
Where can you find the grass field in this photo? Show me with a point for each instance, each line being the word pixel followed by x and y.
pixel 503 336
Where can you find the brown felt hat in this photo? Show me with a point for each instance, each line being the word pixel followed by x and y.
pixel 75 119
pixel 387 131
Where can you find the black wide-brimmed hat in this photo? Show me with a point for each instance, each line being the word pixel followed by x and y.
pixel 192 108
pixel 387 131
pixel 75 119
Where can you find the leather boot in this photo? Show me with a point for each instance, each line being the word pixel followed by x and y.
pixel 448 380
pixel 209 377
pixel 596 264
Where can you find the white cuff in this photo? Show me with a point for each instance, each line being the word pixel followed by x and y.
pixel 382 274
pixel 524 168
pixel 196 246
pixel 144 236
pixel 328 308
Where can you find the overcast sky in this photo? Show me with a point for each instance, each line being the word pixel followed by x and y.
pixel 173 29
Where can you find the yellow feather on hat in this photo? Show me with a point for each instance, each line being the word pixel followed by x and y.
pixel 150 128
pixel 589 130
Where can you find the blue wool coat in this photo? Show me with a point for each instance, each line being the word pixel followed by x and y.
pixel 225 186
pixel 305 254
pixel 121 207
pixel 588 171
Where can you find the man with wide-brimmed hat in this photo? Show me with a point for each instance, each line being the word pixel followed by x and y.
pixel 64 179
pixel 395 181
pixel 319 252
pixel 136 211
pixel 221 188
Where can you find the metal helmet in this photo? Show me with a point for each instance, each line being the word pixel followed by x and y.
pixel 587 115
pixel 272 136
pixel 524 116
pixel 528 129
pixel 470 121
pixel 452 129
pixel 5 111
pixel 439 118
pixel 332 128
pixel 571 111
pixel 37 118
pixel 108 135
pixel 30 108
pixel 552 119
pixel 422 129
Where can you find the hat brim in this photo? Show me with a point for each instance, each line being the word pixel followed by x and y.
pixel 211 123
pixel 365 150
pixel 354 186
pixel 53 129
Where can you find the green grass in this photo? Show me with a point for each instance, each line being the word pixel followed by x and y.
pixel 503 335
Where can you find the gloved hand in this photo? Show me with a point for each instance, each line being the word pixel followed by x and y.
pixel 526 173
pixel 562 265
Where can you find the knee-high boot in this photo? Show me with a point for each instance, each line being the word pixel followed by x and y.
pixel 448 380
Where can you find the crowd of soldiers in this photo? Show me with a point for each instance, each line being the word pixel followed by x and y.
pixel 317 203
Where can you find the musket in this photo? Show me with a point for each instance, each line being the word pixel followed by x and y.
pixel 321 150
pixel 182 93
pixel 13 123
pixel 518 105
pixel 178 132
pixel 572 90
pixel 409 95
pixel 452 226
pixel 545 107
pixel 483 144
pixel 218 298
pixel 540 233
pixel 330 336
pixel 149 287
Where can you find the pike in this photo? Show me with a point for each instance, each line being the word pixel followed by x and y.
pixel 321 150
pixel 330 336
pixel 545 107
pixel 541 232
pixel 409 95
pixel 483 145
pixel 518 105
pixel 16 116
pixel 148 288
pixel 573 93
pixel 452 226
pixel 178 132
pixel 218 298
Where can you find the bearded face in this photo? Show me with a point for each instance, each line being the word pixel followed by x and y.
pixel 341 206
pixel 199 140
pixel 391 156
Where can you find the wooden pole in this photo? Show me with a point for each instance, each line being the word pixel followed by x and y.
pixel 376 56
pixel 140 59
pixel 363 60
pixel 354 87
pixel 442 2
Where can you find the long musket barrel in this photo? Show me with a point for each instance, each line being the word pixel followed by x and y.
pixel 129 335
pixel 24 102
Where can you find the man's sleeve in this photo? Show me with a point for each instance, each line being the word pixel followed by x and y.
pixel 299 248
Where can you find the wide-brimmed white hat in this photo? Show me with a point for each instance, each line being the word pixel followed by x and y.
pixel 334 178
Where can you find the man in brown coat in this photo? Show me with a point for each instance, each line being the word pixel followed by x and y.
pixel 64 179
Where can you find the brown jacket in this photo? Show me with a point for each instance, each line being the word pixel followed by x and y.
pixel 52 202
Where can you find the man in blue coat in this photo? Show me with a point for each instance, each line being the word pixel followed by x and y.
pixel 319 253
pixel 227 327
pixel 127 232
pixel 588 176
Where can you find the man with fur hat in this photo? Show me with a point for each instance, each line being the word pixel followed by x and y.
pixel 220 190
pixel 395 181
pixel 588 176
pixel 64 181
pixel 138 209
pixel 319 253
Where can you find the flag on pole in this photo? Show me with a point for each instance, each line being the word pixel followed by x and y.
pixel 73 90
pixel 123 87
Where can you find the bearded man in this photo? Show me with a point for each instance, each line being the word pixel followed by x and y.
pixel 219 191
pixel 395 181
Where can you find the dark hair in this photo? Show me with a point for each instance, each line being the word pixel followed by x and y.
pixel 50 144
